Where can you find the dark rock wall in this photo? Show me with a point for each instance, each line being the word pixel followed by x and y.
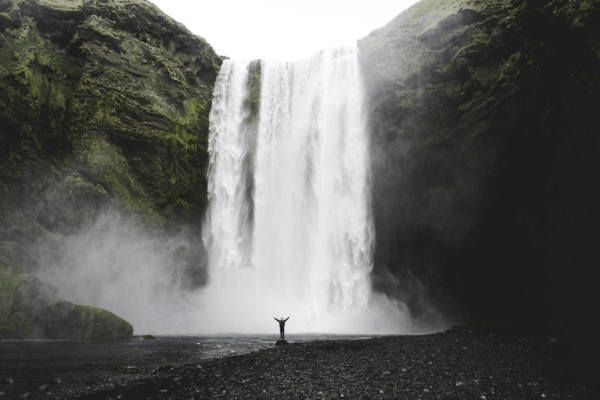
pixel 486 174
pixel 102 104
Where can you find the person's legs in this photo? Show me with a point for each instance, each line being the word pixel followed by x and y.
pixel 281 332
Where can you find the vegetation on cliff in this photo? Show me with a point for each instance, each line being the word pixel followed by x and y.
pixel 31 309
pixel 109 100
pixel 104 108
pixel 485 167
pixel 484 149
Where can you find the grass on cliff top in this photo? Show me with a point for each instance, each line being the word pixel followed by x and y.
pixel 426 14
pixel 74 5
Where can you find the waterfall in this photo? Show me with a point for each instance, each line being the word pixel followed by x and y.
pixel 288 228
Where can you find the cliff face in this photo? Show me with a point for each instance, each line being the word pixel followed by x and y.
pixel 104 108
pixel 486 173
pixel 484 119
pixel 102 103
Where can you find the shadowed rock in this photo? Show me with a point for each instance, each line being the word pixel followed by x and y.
pixel 486 175
pixel 31 309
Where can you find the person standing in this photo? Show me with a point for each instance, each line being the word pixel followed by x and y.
pixel 282 326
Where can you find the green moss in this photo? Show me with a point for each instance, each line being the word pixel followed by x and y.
pixel 148 337
pixel 188 146
pixel 40 314
pixel 102 324
pixel 171 66
pixel 9 282
pixel 27 60
pixel 35 85
pixel 62 5
pixel 509 68
pixel 125 193
pixel 110 95
pixel 179 205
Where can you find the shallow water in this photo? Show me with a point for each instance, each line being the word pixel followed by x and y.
pixel 28 364
pixel 165 348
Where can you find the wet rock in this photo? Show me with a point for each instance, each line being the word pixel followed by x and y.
pixel 147 337
pixel 72 321
pixel 434 368
pixel 470 103
pixel 30 309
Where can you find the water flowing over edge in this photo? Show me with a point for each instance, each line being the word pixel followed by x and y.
pixel 289 230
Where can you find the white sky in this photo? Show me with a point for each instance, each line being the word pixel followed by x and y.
pixel 281 29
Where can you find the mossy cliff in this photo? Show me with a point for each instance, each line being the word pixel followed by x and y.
pixel 31 309
pixel 486 175
pixel 102 103
pixel 104 108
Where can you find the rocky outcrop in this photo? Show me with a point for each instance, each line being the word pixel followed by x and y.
pixel 104 109
pixel 103 104
pixel 486 173
pixel 31 309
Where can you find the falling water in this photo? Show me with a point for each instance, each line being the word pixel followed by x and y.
pixel 289 230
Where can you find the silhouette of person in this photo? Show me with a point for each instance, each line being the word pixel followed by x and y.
pixel 281 326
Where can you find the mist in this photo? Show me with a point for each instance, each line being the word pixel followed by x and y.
pixel 139 275
pixel 288 232
pixel 145 279
pixel 293 234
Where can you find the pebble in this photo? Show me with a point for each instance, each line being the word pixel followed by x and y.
pixel 354 369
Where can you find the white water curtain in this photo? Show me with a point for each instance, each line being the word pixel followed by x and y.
pixel 300 242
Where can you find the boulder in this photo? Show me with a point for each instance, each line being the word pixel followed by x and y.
pixel 31 309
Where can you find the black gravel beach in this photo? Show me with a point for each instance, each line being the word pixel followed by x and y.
pixel 463 363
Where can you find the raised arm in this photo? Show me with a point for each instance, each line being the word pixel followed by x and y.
pixel 287 318
pixel 275 319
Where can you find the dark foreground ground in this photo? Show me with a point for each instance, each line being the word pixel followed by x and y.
pixel 468 363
